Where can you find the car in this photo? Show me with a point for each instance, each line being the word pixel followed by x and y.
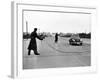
pixel 75 40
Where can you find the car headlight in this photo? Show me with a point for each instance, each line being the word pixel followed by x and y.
pixel 73 39
pixel 80 39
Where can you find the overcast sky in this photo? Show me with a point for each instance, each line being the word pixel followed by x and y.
pixel 57 22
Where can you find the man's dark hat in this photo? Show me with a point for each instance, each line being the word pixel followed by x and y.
pixel 35 29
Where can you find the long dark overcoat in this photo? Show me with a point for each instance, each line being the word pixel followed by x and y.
pixel 33 44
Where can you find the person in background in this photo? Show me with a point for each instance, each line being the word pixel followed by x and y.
pixel 56 38
pixel 33 43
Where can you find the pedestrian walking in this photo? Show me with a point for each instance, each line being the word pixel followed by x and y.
pixel 56 37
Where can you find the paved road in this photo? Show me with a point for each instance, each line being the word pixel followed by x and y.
pixel 57 55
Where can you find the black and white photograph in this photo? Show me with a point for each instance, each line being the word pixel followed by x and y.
pixel 56 39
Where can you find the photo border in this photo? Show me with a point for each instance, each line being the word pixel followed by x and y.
pixel 16 63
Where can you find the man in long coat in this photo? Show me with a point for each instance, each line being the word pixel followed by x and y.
pixel 33 44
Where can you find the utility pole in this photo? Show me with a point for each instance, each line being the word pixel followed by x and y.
pixel 26 27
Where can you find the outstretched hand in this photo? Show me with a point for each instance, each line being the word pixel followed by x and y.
pixel 42 37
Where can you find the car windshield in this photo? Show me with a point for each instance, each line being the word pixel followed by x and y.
pixel 75 36
pixel 77 39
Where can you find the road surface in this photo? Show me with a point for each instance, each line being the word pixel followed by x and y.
pixel 54 55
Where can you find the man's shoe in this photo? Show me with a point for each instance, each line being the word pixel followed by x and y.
pixel 37 54
pixel 29 54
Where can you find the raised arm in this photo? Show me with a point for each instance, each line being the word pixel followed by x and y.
pixel 39 37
